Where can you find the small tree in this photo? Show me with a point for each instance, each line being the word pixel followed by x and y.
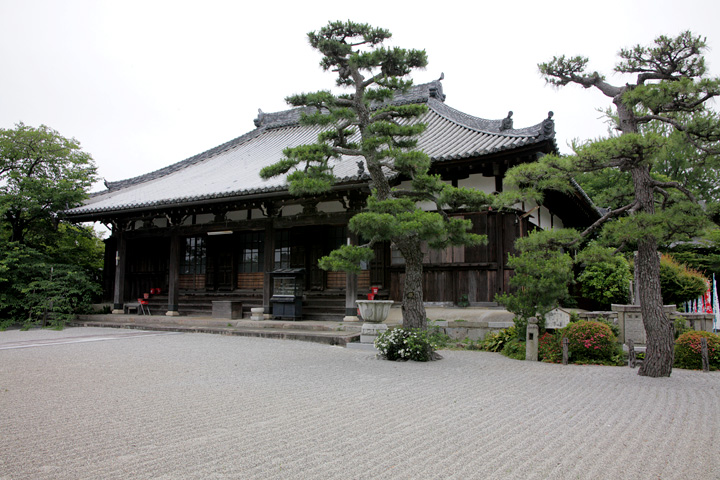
pixel 366 123
pixel 670 92
pixel 543 273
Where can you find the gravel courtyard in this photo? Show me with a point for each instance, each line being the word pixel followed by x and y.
pixel 88 403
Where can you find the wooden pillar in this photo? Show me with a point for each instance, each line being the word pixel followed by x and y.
pixel 174 276
pixel 351 288
pixel 269 261
pixel 500 239
pixel 120 261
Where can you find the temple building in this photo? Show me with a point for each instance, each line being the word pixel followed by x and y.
pixel 209 228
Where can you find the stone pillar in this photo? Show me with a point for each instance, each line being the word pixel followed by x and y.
pixel 174 276
pixel 120 260
pixel 531 340
pixel 351 287
pixel 269 261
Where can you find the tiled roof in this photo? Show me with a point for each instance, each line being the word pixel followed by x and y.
pixel 233 168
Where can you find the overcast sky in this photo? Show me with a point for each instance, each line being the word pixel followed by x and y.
pixel 143 84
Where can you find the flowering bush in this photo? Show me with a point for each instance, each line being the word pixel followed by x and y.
pixel 550 347
pixel 688 348
pixel 590 341
pixel 405 344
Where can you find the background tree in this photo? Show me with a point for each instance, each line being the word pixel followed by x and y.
pixel 366 123
pixel 42 173
pixel 668 87
pixel 46 265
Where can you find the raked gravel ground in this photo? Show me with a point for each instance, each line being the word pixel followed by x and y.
pixel 89 403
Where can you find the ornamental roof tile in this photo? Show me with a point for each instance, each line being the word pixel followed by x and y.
pixel 233 168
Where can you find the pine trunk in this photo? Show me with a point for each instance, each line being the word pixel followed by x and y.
pixel 413 310
pixel 660 352
pixel 659 355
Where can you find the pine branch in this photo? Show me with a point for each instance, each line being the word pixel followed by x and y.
pixel 660 185
pixel 605 218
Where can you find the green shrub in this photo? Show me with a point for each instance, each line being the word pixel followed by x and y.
pixel 606 277
pixel 679 283
pixel 550 347
pixel 688 350
pixel 681 327
pixel 590 341
pixel 437 336
pixel 514 349
pixel 405 344
pixel 495 341
pixel 613 327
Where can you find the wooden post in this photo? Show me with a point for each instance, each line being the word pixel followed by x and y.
pixel 120 261
pixel 269 261
pixel 631 353
pixel 704 353
pixel 174 276
pixel 351 287
pixel 565 350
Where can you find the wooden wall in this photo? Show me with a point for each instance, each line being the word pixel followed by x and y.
pixel 479 272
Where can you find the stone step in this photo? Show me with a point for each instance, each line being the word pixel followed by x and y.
pixel 330 334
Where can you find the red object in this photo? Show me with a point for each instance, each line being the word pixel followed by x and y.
pixel 158 291
pixel 371 296
pixel 142 301
pixel 375 290
pixel 146 295
pixel 152 291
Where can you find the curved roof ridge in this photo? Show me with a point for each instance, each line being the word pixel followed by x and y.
pixel 416 94
pixel 544 129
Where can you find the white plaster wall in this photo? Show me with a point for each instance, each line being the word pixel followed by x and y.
pixel 160 222
pixel 236 215
pixel 204 218
pixel 545 220
pixel 330 207
pixel 290 210
pixel 478 182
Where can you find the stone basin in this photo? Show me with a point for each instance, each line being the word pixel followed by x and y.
pixel 374 311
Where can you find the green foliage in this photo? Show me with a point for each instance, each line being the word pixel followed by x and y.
pixel 514 349
pixel 703 254
pixel 48 269
pixel 346 258
pixel 405 344
pixel 590 341
pixel 688 350
pixel 42 173
pixel 437 336
pixel 543 273
pixel 605 277
pixel 35 290
pixel 496 341
pixel 680 327
pixel 678 283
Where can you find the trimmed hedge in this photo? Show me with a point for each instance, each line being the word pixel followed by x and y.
pixel 688 350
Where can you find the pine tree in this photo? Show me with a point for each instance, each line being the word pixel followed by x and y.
pixel 667 100
pixel 365 122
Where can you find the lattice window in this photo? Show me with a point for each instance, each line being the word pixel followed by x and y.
pixel 194 261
